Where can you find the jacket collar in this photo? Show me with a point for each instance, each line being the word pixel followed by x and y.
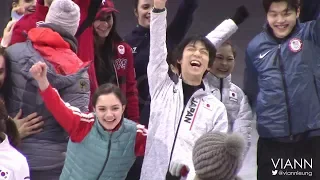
pixel 116 132
pixel 175 78
pixel 215 82
pixel 71 40
pixel 140 30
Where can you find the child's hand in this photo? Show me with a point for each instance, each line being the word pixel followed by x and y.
pixel 7 34
pixel 39 73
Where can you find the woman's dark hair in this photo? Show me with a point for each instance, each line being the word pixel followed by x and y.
pixel 177 53
pixel 8 126
pixel 233 49
pixel 2 51
pixel 6 87
pixel 104 54
pixel 292 4
pixel 108 88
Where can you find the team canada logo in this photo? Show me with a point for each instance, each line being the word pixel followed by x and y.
pixel 121 49
pixel 295 45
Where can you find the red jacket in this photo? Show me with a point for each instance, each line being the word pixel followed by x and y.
pixel 85 40
pixel 79 124
pixel 123 63
pixel 56 50
pixel 27 22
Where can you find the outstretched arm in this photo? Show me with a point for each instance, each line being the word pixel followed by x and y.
pixel 309 10
pixel 157 70
pixel 182 21
pixel 227 28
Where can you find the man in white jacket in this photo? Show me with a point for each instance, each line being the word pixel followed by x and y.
pixel 181 110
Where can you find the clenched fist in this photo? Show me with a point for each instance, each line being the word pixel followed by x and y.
pixel 160 4
pixel 39 73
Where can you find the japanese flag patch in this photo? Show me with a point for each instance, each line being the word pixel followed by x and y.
pixel 233 96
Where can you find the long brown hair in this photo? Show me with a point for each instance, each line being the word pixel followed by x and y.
pixel 104 54
pixel 8 126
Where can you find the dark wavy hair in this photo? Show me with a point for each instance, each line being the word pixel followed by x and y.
pixel 292 4
pixel 104 54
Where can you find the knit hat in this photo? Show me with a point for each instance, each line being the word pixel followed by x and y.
pixel 64 13
pixel 107 6
pixel 217 156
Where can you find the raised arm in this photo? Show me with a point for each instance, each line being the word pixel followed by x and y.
pixel 157 68
pixel 227 28
pixel 182 21
pixel 77 124
pixel 310 10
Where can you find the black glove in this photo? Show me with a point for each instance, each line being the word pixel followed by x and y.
pixel 170 177
pixel 240 15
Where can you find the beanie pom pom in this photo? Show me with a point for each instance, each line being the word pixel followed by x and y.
pixel 66 5
pixel 235 145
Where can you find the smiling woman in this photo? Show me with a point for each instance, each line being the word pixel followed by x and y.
pixel 118 139
pixel 21 7
pixel 113 57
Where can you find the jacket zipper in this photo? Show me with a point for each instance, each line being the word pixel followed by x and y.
pixel 285 88
pixel 115 70
pixel 221 87
pixel 107 158
pixel 175 137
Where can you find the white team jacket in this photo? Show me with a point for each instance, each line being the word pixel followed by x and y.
pixel 13 165
pixel 203 113
pixel 240 115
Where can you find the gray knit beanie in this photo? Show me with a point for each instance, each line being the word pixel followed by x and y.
pixel 217 156
pixel 64 13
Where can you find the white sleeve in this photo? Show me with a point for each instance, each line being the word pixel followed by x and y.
pixel 243 123
pixel 220 120
pixel 23 173
pixel 157 69
pixel 222 32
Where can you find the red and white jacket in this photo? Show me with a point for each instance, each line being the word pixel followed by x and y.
pixel 78 124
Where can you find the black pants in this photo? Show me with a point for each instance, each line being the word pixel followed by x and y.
pixel 288 161
pixel 135 171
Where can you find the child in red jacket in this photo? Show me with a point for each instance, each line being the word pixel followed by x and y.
pixel 121 138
